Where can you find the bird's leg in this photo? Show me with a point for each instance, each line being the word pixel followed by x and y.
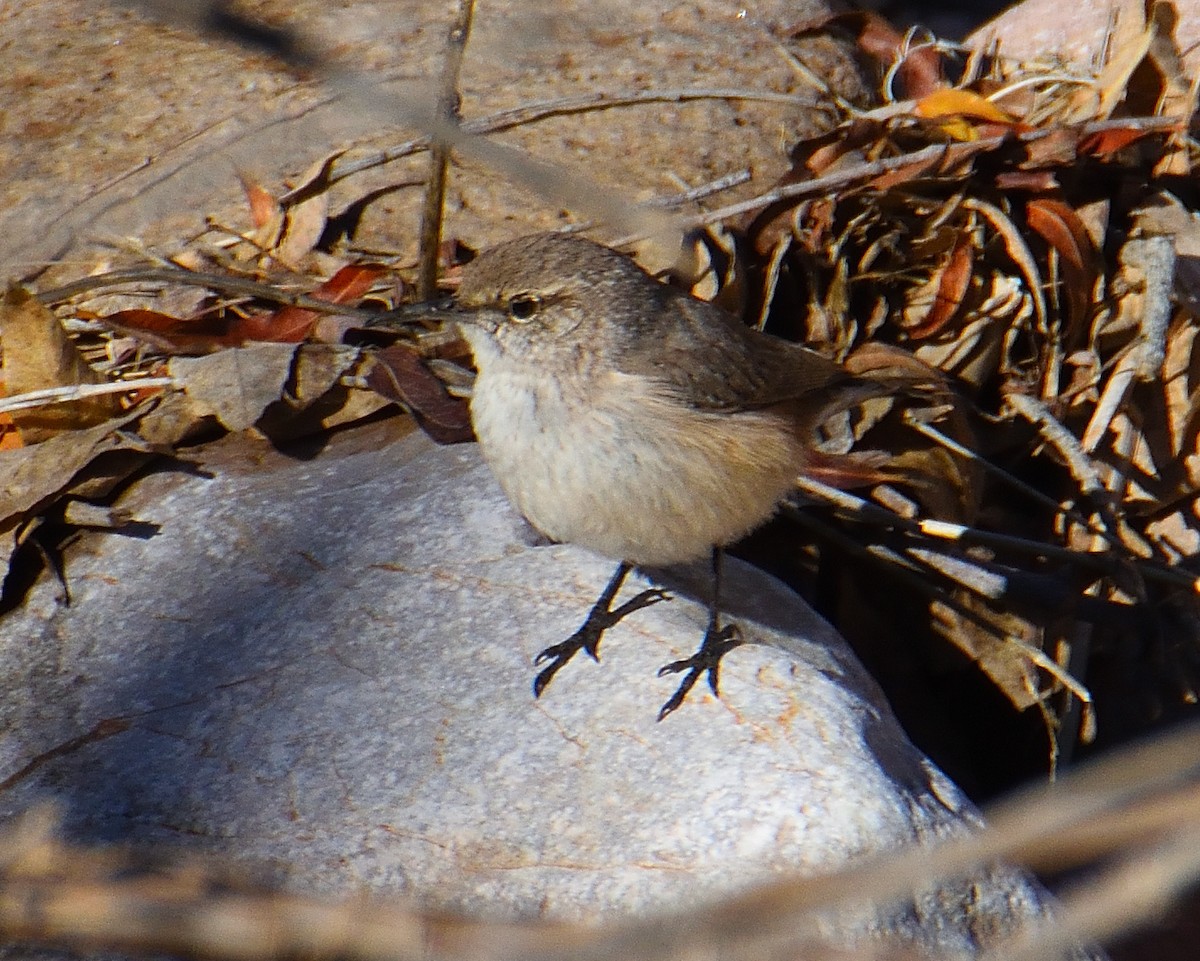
pixel 718 641
pixel 600 618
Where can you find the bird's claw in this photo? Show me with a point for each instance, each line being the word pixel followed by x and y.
pixel 587 638
pixel 707 660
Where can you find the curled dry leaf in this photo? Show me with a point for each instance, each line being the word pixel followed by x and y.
pixel 1063 229
pixel 33 479
pixel 934 304
pixel 400 374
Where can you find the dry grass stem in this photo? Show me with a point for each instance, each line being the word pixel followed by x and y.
pixel 62 395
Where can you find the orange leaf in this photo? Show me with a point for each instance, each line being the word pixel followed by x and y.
pixel 263 207
pixel 1105 143
pixel 10 437
pixel 953 102
pixel 1061 228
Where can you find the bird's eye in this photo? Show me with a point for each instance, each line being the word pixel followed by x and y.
pixel 524 306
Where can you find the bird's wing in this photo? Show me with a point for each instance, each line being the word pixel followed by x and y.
pixel 736 368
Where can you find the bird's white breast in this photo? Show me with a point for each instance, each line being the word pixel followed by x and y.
pixel 602 461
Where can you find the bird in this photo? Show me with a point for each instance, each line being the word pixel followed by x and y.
pixel 626 416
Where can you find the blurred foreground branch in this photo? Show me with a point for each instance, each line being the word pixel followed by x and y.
pixel 419 108
pixel 1133 820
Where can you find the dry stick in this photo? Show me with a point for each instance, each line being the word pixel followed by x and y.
pixel 913 568
pixel 63 395
pixel 1007 477
pixel 855 508
pixel 241 286
pixel 851 174
pixel 439 154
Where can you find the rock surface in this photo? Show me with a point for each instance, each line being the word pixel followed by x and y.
pixel 325 663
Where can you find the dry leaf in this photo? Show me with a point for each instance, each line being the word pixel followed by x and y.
pixel 38 354
pixel 32 479
pixel 400 374
pixel 235 386
pixel 291 324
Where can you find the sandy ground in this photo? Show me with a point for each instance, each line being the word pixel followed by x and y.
pixel 114 127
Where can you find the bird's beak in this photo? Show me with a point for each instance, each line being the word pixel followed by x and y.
pixel 445 310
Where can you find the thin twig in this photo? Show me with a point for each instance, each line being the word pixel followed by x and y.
pixel 852 174
pixel 225 283
pixel 863 511
pixel 439 154
pixel 72 392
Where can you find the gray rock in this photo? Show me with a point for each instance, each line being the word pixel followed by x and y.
pixel 326 664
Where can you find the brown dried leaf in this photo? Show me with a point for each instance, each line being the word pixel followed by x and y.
pixel 1176 96
pixel 235 386
pixel 33 478
pixel 38 355
pixel 1128 45
pixel 306 210
pixel 919 69
pixel 318 398
pixel 303 227
pixel 400 374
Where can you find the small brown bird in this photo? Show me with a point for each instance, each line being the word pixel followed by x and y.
pixel 626 416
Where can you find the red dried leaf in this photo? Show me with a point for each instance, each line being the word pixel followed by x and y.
pixel 263 206
pixel 953 283
pixel 214 329
pixel 200 334
pixel 291 324
pixel 1063 229
pixel 1105 143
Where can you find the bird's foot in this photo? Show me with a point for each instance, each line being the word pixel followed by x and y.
pixel 587 638
pixel 707 660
